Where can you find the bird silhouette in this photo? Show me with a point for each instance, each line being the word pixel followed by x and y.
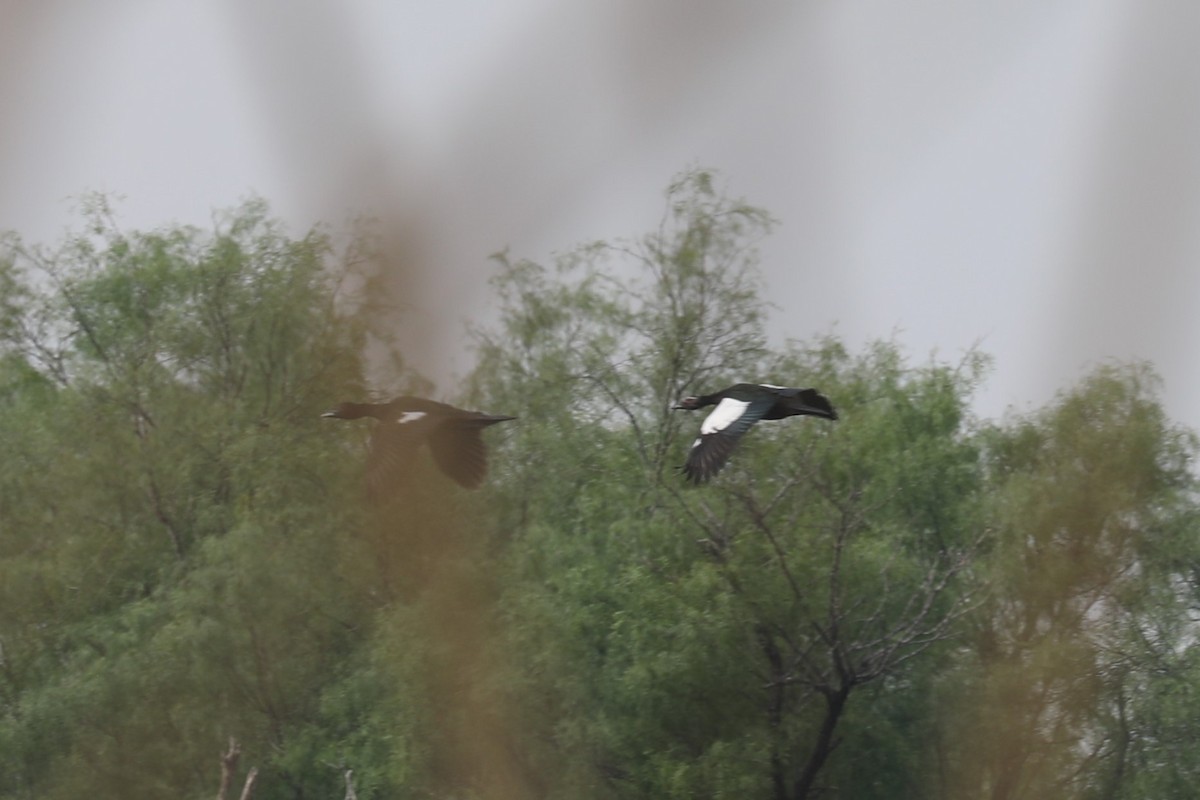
pixel 453 436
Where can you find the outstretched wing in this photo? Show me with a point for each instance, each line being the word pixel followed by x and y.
pixel 460 452
pixel 802 401
pixel 458 448
pixel 719 434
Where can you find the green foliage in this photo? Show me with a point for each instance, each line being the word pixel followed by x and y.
pixel 846 579
pixel 908 602
pixel 175 565
pixel 688 643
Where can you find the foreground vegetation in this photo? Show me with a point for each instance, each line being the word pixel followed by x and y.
pixel 910 602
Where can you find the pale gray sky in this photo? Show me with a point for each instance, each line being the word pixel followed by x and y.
pixel 1025 174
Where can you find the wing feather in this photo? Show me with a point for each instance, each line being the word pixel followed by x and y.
pixel 720 433
pixel 459 451
pixel 809 401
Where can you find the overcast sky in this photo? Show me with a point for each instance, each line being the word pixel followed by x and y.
pixel 1023 175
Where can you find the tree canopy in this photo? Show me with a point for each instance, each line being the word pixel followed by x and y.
pixel 908 602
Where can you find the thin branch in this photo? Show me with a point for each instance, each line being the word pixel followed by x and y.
pixel 760 521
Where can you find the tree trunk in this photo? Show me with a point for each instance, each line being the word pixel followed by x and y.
pixel 835 703
pixel 775 697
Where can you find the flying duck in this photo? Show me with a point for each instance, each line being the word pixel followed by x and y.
pixel 453 436
pixel 738 407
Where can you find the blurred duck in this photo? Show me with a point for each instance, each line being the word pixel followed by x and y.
pixel 452 434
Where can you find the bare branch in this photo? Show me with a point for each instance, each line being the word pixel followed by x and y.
pixel 251 781
pixel 229 763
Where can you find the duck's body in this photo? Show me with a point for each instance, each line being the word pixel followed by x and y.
pixel 738 407
pixel 453 436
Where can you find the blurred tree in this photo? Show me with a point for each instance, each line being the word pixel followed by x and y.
pixel 1087 621
pixel 178 560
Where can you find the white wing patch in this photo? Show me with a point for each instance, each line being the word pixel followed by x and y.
pixel 724 415
pixel 410 416
pixel 772 386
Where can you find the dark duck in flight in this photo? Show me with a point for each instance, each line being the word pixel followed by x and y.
pixel 737 409
pixel 453 436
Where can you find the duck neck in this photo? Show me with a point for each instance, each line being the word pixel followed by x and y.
pixel 359 410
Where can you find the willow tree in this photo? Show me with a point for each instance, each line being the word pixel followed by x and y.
pixel 720 641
